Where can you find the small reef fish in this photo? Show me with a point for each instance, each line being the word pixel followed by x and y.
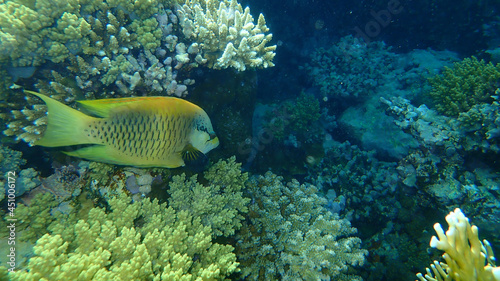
pixel 137 131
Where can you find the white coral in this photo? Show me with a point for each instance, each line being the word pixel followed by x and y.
pixel 226 34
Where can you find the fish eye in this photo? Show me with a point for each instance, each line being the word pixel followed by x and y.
pixel 212 136
pixel 202 128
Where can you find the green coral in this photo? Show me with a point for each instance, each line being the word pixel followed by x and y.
pixel 219 204
pixel 304 111
pixel 35 218
pixel 298 117
pixel 53 30
pixel 140 241
pixel 291 236
pixel 30 34
pixel 464 85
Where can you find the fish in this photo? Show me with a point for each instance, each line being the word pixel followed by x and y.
pixel 165 132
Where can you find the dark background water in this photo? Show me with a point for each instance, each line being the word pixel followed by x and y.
pixel 441 25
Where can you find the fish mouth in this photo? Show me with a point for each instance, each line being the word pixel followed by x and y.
pixel 214 142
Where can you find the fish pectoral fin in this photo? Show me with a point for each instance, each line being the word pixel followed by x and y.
pixel 193 157
pixel 190 153
pixel 98 153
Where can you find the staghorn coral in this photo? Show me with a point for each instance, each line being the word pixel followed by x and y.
pixel 464 85
pixel 290 235
pixel 113 246
pixel 220 204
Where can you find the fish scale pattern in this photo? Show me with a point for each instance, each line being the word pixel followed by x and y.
pixel 145 136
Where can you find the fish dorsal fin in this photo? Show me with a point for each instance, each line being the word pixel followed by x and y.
pixel 105 107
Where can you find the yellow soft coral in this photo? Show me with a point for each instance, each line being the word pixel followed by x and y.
pixel 466 258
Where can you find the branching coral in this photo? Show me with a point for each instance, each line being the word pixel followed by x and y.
pixel 116 48
pixel 144 240
pixel 466 257
pixel 32 33
pixel 291 236
pixel 35 218
pixel 464 85
pixel 220 204
pixel 226 34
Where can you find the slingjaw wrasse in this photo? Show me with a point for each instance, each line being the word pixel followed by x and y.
pixel 137 131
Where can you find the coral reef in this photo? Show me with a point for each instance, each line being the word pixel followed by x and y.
pixel 437 167
pixel 290 235
pixel 10 161
pixel 464 85
pixel 298 117
pixel 113 37
pixel 26 124
pixel 113 246
pixel 219 204
pixel 481 127
pixel 27 180
pixel 369 185
pixel 66 182
pixel 430 128
pixel 351 68
pixel 466 257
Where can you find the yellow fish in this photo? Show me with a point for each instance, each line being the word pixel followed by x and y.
pixel 138 131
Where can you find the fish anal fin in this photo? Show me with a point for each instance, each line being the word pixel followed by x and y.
pixel 99 153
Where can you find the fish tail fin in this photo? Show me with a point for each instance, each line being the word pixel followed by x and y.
pixel 65 125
